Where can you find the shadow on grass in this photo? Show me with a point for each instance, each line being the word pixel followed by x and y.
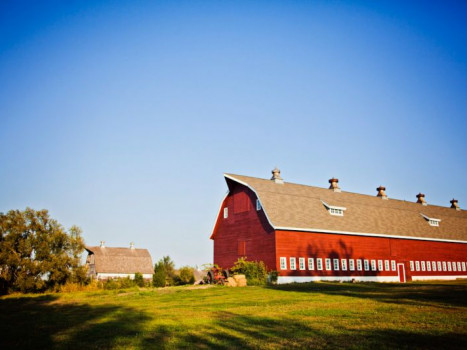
pixel 43 323
pixel 441 295
pixel 232 331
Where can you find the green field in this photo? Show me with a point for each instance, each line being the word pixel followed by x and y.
pixel 315 315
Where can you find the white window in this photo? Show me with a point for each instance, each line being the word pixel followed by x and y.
pixel 412 266
pixel 439 266
pixel 417 265
pixel 386 265
pixel 433 265
pixel 454 267
pixel 258 205
pixel 351 264
pixel 328 264
pixel 380 265
pixel 449 266
pixel 311 264
pixel 432 221
pixel 293 263
pixel 359 264
pixel 463 266
pixel 301 263
pixel 283 263
pixel 428 266
pixel 422 263
pixel 366 263
pixel 226 213
pixel 336 264
pixel 333 210
pixel 344 264
pixel 319 263
pixel 373 265
pixel 444 266
pixel 459 268
pixel 393 265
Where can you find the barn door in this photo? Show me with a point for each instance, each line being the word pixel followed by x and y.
pixel 401 272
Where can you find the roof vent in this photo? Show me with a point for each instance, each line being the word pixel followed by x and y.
pixel 421 199
pixel 276 176
pixel 454 204
pixel 102 244
pixel 132 245
pixel 334 185
pixel 381 192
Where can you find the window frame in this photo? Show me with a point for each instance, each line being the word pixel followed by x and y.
pixel 319 264
pixel 258 205
pixel 380 265
pixel 351 265
pixel 417 265
pixel 293 263
pixel 359 264
pixel 373 265
pixel 393 265
pixel 366 264
pixel 283 263
pixel 344 264
pixel 422 265
pixel 387 265
pixel 311 264
pixel 327 264
pixel 335 264
pixel 226 212
pixel 301 264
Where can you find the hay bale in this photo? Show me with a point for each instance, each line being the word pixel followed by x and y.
pixel 231 282
pixel 241 280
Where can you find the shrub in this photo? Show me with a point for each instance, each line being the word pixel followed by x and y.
pixel 255 271
pixel 186 275
pixel 139 280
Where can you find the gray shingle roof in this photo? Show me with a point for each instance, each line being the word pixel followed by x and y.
pixel 121 260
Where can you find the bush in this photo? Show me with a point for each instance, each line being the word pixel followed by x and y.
pixel 186 275
pixel 255 271
pixel 159 277
pixel 139 280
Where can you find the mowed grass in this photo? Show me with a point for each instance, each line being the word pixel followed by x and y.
pixel 312 315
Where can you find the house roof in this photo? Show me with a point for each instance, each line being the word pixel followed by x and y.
pixel 121 260
pixel 291 206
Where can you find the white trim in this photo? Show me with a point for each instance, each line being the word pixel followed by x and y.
pixel 285 228
pixel 431 221
pixel 303 279
pixel 427 278
pixel 101 275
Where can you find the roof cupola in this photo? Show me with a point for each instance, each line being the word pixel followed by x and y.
pixel 381 192
pixel 334 185
pixel 102 244
pixel 132 245
pixel 276 176
pixel 421 199
pixel 454 204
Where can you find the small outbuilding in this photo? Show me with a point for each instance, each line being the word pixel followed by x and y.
pixel 112 262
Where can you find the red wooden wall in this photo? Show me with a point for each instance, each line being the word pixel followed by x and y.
pixel 245 232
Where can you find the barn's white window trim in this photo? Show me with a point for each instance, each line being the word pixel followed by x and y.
pixel 359 264
pixel 319 264
pixel 386 265
pixel 333 210
pixel 366 265
pixel 283 263
pixel 226 213
pixel 439 266
pixel 422 263
pixel 380 265
pixel 336 264
pixel 293 263
pixel 454 267
pixel 459 267
pixel 258 205
pixel 351 264
pixel 433 265
pixel 431 221
pixel 301 263
pixel 412 266
pixel 417 265
pixel 373 265
pixel 444 266
pixel 393 265
pixel 327 261
pixel 311 264
pixel 449 266
pixel 428 266
pixel 463 266
pixel 344 264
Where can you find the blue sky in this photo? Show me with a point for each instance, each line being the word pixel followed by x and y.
pixel 122 116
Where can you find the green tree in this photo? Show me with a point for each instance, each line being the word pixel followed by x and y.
pixel 139 281
pixel 36 253
pixel 164 272
pixel 255 271
pixel 186 275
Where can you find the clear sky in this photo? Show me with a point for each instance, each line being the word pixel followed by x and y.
pixel 122 116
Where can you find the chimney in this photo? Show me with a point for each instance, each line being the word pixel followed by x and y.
pixel 102 244
pixel 381 192
pixel 421 199
pixel 454 204
pixel 334 185
pixel 132 245
pixel 276 176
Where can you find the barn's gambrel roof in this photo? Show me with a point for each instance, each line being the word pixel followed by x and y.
pixel 297 207
pixel 121 260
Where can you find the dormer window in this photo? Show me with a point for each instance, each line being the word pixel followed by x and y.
pixel 333 210
pixel 432 221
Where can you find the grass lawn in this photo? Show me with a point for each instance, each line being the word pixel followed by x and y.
pixel 311 315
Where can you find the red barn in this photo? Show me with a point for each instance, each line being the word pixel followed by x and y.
pixel 309 233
